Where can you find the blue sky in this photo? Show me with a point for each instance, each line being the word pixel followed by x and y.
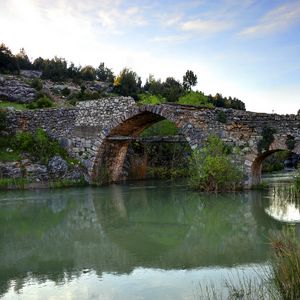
pixel 244 48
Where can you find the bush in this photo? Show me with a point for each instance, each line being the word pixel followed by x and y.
pixel 43 102
pixel 66 92
pixel 38 145
pixel 211 168
pixel 150 99
pixel 267 139
pixel 2 119
pixel 37 84
pixel 222 117
pixel 195 98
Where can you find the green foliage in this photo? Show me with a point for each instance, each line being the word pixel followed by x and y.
pixel 275 162
pixel 147 98
pixel 222 117
pixel 18 106
pixel 172 89
pixel 195 98
pixel 267 139
pixel 66 91
pixel 297 181
pixel 286 266
pixel 189 80
pixel 166 172
pixel 12 183
pixel 162 128
pixel 88 73
pixel 54 69
pixel 23 60
pixel 38 145
pixel 127 83
pixel 2 119
pixel 43 102
pixel 104 74
pixel 211 168
pixel 36 84
pixel 8 62
pixel 290 142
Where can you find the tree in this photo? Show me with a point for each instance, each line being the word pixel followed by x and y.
pixel 54 69
pixel 88 73
pixel 172 89
pixel 127 83
pixel 104 74
pixel 23 60
pixel 189 80
pixel 8 62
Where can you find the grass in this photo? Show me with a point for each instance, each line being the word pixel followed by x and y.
pixel 18 183
pixel 281 281
pixel 17 106
pixel 6 156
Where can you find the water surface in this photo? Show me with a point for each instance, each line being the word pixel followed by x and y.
pixel 145 240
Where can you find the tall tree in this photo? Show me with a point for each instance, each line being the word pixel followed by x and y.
pixel 189 80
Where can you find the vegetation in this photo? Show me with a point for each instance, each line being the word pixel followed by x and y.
pixel 222 117
pixel 189 80
pixel 127 83
pixel 212 169
pixel 195 98
pixel 290 142
pixel 43 102
pixel 2 119
pixel 18 106
pixel 36 84
pixel 38 145
pixel 267 139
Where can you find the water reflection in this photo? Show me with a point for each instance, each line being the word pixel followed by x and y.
pixel 68 234
pixel 284 204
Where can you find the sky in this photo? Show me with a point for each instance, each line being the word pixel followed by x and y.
pixel 247 49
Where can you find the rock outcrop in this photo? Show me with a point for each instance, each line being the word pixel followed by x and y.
pixel 15 90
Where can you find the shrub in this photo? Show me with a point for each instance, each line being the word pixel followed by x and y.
pixel 150 99
pixel 222 117
pixel 290 142
pixel 267 139
pixel 37 84
pixel 38 145
pixel 66 92
pixel 43 102
pixel 195 98
pixel 2 119
pixel 211 168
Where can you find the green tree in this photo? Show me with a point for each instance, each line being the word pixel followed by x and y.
pixel 8 62
pixel 172 89
pixel 195 98
pixel 88 73
pixel 23 60
pixel 104 74
pixel 212 169
pixel 189 80
pixel 127 83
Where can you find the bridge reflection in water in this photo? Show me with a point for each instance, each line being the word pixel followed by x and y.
pixel 61 235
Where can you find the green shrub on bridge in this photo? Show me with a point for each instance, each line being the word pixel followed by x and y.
pixel 212 169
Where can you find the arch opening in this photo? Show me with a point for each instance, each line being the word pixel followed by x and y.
pixel 123 154
pixel 273 160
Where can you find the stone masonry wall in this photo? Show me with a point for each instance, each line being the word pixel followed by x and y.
pixel 83 129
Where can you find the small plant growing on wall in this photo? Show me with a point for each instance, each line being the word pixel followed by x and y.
pixel 290 142
pixel 267 139
pixel 222 117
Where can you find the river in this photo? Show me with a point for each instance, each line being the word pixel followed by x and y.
pixel 141 240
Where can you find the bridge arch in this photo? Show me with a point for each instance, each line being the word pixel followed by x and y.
pixel 111 154
pixel 256 167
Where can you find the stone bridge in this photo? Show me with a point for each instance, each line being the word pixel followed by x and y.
pixel 91 132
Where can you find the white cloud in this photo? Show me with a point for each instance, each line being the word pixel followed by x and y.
pixel 206 26
pixel 278 19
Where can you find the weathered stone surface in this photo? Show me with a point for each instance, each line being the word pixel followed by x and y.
pixel 10 170
pixel 84 129
pixel 37 172
pixel 12 89
pixel 57 167
pixel 31 73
